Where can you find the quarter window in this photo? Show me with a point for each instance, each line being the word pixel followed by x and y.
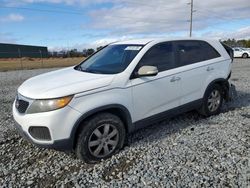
pixel 161 55
pixel 189 52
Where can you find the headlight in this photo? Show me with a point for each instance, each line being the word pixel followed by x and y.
pixel 45 105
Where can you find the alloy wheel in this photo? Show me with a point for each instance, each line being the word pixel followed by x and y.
pixel 103 140
pixel 214 101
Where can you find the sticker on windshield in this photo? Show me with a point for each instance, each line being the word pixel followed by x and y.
pixel 133 48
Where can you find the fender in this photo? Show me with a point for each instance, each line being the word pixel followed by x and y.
pixel 126 117
pixel 223 83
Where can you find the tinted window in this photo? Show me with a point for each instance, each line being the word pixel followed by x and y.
pixel 160 55
pixel 189 52
pixel 110 60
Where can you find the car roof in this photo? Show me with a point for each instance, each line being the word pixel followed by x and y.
pixel 134 41
pixel 149 40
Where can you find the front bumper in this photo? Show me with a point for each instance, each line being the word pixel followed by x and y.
pixel 61 145
pixel 59 123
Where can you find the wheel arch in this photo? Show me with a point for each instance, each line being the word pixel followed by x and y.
pixel 116 109
pixel 245 53
pixel 224 85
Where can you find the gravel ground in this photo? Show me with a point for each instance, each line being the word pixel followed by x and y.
pixel 186 151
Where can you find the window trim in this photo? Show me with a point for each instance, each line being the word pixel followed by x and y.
pixel 133 75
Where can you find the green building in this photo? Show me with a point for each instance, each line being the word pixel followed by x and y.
pixel 17 51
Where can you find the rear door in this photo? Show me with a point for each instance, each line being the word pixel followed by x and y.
pixel 196 60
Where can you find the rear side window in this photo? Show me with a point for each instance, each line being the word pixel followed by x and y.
pixel 189 52
pixel 161 55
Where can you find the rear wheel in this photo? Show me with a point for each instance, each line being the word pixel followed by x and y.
pixel 245 55
pixel 101 137
pixel 212 101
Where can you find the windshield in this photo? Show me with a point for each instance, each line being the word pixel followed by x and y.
pixel 112 59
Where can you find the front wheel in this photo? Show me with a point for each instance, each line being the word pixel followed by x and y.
pixel 212 101
pixel 101 137
pixel 245 55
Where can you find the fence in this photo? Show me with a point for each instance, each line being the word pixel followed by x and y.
pixel 19 53
pixel 22 60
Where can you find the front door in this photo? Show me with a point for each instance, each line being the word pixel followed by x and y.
pixel 155 94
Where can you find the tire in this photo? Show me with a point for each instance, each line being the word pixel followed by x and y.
pixel 212 101
pixel 101 136
pixel 245 55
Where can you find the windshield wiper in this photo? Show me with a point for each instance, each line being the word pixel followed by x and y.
pixel 93 71
pixel 78 67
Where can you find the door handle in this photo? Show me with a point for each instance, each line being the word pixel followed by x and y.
pixel 173 79
pixel 177 78
pixel 210 68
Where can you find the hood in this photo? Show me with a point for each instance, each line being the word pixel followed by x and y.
pixel 63 82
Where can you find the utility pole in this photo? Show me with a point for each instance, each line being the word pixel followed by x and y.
pixel 191 17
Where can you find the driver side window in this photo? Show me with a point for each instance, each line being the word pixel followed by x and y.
pixel 161 56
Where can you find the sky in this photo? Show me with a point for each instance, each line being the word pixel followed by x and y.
pixel 68 24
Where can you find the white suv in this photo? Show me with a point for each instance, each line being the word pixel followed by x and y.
pixel 92 107
pixel 241 52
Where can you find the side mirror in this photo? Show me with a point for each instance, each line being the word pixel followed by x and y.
pixel 147 71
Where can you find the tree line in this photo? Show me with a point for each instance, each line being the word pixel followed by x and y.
pixel 244 43
pixel 74 53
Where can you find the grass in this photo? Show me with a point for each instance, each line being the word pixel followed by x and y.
pixel 36 63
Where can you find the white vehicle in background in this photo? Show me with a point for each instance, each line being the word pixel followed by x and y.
pixel 240 52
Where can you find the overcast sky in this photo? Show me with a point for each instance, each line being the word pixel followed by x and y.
pixel 63 24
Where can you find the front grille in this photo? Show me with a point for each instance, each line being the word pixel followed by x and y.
pixel 21 105
pixel 40 133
